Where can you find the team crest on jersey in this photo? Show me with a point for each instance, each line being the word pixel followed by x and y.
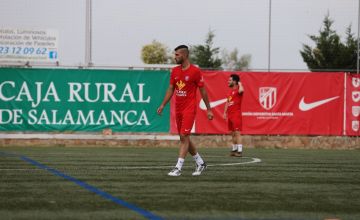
pixel 187 78
pixel 180 84
pixel 267 97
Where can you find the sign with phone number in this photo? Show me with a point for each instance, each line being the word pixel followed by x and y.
pixel 28 45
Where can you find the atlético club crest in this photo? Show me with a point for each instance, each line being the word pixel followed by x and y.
pixel 356 82
pixel 355 125
pixel 356 96
pixel 356 111
pixel 267 97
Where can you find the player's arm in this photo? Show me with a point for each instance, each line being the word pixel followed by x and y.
pixel 241 87
pixel 169 93
pixel 206 101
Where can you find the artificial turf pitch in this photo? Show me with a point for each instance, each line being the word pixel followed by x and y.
pixel 286 184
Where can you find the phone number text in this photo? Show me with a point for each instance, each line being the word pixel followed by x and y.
pixel 22 50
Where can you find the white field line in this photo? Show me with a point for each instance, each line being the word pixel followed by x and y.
pixel 253 160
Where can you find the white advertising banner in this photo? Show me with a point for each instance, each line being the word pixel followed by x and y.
pixel 35 45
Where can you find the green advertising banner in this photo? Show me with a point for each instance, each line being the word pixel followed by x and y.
pixel 82 100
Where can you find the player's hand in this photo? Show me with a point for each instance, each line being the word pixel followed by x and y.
pixel 160 109
pixel 210 115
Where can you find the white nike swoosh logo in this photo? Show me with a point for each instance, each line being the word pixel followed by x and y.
pixel 308 106
pixel 212 104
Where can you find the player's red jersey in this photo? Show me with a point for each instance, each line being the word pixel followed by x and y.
pixel 186 83
pixel 234 102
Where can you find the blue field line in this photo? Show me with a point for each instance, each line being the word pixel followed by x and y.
pixel 88 187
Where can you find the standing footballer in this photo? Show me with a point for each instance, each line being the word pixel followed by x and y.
pixel 184 81
pixel 232 113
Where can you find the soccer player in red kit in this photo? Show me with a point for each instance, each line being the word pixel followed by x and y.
pixel 232 113
pixel 184 81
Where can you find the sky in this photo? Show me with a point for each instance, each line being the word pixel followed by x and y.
pixel 120 28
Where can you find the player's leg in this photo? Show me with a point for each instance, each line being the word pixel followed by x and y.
pixel 188 122
pixel 184 123
pixel 234 125
pixel 180 162
pixel 192 148
pixel 185 130
pixel 184 145
pixel 234 141
pixel 236 136
pixel 234 147
pixel 200 164
pixel 238 143
pixel 194 153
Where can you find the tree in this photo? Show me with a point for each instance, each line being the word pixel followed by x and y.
pixel 329 52
pixel 231 61
pixel 206 55
pixel 155 53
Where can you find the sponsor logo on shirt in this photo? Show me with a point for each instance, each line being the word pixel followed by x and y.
pixel 230 101
pixel 180 84
pixel 180 93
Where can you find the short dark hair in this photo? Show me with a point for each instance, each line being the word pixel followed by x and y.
pixel 235 77
pixel 181 47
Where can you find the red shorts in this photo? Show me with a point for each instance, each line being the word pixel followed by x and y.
pixel 234 123
pixel 185 122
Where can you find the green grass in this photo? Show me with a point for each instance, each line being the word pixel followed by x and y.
pixel 287 184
